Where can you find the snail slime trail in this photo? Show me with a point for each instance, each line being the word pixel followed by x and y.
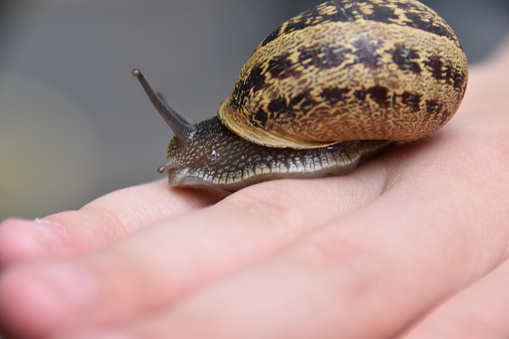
pixel 326 90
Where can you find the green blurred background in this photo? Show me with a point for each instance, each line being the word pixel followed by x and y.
pixel 75 125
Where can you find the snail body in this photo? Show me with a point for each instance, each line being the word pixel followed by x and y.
pixel 327 89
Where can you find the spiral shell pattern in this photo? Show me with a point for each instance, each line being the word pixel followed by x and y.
pixel 349 70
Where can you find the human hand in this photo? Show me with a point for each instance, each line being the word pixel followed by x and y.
pixel 413 244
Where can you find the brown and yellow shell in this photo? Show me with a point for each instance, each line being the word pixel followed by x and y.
pixel 349 70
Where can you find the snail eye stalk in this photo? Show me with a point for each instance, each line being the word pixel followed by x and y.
pixel 180 126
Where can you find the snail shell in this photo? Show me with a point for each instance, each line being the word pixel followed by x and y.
pixel 327 89
pixel 345 70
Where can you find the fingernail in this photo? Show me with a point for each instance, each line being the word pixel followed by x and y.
pixel 23 239
pixel 49 235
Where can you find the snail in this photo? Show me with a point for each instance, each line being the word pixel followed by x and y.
pixel 325 91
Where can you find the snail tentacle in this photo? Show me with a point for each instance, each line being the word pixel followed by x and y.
pixel 178 124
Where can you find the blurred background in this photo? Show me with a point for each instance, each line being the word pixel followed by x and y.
pixel 75 125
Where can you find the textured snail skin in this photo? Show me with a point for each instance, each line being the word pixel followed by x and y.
pixel 325 91
pixel 227 161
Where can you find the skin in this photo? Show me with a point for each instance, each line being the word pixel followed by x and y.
pixel 413 244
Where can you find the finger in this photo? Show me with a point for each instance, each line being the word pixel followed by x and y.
pixel 165 262
pixel 99 223
pixel 479 311
pixel 368 275
pixel 315 291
